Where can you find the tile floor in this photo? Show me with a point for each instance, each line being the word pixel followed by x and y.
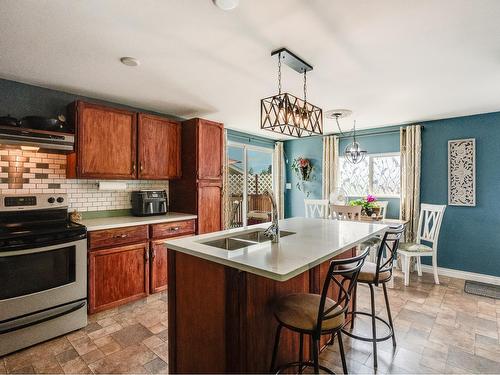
pixel 439 330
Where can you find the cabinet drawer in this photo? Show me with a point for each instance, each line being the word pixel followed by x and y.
pixel 118 236
pixel 177 228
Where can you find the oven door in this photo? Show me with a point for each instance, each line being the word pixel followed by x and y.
pixel 37 279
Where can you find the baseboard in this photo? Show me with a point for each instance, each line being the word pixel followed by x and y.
pixel 463 275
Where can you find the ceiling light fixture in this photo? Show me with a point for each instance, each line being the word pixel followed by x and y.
pixel 287 114
pixel 130 61
pixel 353 151
pixel 226 4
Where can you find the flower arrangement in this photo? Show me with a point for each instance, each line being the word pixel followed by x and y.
pixel 368 204
pixel 303 169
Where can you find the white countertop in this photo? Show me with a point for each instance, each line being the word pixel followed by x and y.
pixel 314 241
pixel 129 221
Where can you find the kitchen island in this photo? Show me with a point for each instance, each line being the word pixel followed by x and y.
pixel 222 286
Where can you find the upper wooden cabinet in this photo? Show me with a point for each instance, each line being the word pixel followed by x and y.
pixel 159 150
pixel 118 144
pixel 209 155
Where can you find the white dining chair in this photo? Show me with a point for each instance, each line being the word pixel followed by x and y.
pixel 383 208
pixel 316 208
pixel 341 212
pixel 429 225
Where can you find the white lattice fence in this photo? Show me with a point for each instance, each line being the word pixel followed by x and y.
pixel 259 181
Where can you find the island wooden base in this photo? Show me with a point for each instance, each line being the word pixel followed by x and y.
pixel 220 319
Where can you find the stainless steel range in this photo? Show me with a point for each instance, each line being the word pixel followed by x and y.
pixel 43 270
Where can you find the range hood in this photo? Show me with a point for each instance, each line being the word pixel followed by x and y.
pixel 49 141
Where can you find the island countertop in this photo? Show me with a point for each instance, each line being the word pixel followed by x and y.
pixel 314 241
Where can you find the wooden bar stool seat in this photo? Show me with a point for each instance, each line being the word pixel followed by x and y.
pixel 316 315
pixel 300 312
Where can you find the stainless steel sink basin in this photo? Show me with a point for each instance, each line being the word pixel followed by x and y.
pixel 258 235
pixel 228 243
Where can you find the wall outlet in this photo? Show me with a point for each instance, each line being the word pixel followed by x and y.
pixel 288 186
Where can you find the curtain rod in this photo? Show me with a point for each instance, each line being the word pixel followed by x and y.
pixel 380 132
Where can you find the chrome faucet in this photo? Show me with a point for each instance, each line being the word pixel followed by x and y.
pixel 273 232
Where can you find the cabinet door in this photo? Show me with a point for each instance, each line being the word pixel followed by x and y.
pixel 159 141
pixel 209 206
pixel 158 259
pixel 106 142
pixel 210 150
pixel 117 276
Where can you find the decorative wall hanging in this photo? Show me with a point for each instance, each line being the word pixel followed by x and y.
pixel 462 172
pixel 287 114
pixel 303 169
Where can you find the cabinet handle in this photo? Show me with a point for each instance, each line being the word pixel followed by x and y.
pixel 121 236
pixel 146 255
pixel 174 229
pixel 140 167
pixel 133 166
pixel 153 253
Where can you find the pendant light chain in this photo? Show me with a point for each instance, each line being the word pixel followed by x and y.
pixel 305 87
pixel 279 74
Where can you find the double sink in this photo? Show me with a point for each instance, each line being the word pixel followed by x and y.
pixel 240 240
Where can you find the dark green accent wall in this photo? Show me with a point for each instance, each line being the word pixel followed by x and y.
pixel 20 100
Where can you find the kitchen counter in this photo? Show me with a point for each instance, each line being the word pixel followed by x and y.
pixel 220 302
pixel 314 241
pixel 129 221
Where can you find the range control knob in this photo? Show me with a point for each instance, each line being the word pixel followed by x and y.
pixel 51 200
pixel 60 199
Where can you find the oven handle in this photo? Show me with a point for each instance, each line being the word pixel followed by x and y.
pixel 42 320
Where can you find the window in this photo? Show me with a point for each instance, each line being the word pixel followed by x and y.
pixel 377 174
pixel 250 173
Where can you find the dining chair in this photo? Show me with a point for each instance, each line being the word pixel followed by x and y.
pixel 316 208
pixel 429 225
pixel 345 212
pixel 383 208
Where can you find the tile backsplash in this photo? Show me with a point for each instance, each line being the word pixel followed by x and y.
pixel 24 172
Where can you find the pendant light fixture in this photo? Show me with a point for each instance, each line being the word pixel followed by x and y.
pixel 287 114
pixel 353 151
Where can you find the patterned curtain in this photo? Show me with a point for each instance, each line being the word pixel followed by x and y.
pixel 226 204
pixel 278 178
pixel 330 164
pixel 411 148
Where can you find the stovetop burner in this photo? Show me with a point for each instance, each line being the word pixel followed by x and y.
pixel 36 220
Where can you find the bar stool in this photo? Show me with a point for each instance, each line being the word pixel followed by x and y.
pixel 316 315
pixel 374 274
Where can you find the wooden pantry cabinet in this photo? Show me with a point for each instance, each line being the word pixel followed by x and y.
pixel 113 143
pixel 126 264
pixel 199 190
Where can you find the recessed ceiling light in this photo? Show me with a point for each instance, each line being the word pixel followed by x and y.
pixel 130 61
pixel 226 4
pixel 338 113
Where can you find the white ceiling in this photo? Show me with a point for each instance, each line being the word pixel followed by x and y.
pixel 390 61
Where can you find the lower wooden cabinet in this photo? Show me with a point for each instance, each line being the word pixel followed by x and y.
pixel 120 272
pixel 158 266
pixel 118 275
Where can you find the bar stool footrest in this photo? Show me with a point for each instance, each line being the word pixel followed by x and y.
pixel 369 339
pixel 302 365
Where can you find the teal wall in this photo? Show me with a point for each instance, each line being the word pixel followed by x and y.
pixel 470 236
pixel 20 100
pixel 312 148
pixel 309 148
pixel 249 139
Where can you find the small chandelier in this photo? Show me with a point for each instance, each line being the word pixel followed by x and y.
pixel 287 114
pixel 353 152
